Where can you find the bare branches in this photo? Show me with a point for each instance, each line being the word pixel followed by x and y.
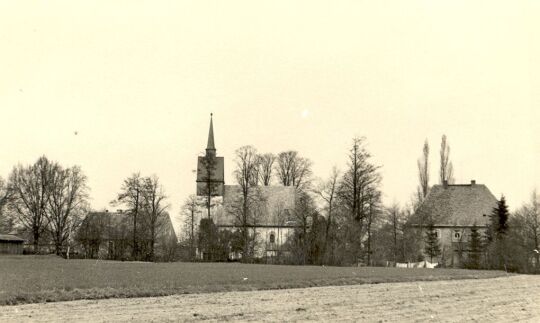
pixel 293 170
pixel 67 203
pixel 144 198
pixel 266 165
pixel 31 192
pixel 154 210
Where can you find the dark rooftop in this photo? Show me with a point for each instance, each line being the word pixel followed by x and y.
pixel 458 205
pixel 11 238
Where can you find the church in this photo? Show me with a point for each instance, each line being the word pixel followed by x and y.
pixel 272 225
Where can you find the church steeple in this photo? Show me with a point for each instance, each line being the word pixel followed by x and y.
pixel 210 147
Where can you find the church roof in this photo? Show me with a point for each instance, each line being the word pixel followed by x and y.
pixel 210 145
pixel 276 209
pixel 457 205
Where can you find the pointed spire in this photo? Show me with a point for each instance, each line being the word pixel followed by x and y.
pixel 210 146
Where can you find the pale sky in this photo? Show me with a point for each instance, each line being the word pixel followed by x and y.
pixel 137 81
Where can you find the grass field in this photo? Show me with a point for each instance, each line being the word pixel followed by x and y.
pixel 32 279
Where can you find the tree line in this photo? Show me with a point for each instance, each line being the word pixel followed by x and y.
pixel 49 204
pixel 341 220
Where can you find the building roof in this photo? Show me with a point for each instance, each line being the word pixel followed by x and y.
pixel 457 205
pixel 210 145
pixel 10 238
pixel 276 208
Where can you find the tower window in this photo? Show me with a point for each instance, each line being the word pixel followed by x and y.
pixel 272 238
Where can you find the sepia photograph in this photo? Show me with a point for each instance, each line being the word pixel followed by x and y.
pixel 275 161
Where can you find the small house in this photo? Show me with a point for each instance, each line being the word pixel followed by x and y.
pixel 11 244
pixel 454 209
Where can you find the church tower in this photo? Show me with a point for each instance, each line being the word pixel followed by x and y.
pixel 210 169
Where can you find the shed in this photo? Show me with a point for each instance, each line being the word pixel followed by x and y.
pixel 11 244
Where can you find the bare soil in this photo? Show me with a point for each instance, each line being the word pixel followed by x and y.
pixel 507 299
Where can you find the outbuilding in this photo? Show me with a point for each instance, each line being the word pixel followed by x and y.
pixel 11 244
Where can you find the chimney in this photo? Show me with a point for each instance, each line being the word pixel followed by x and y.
pixel 445 183
pixel 473 182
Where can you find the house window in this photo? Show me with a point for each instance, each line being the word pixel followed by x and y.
pixel 272 238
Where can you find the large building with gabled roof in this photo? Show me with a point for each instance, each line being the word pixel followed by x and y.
pixel 454 209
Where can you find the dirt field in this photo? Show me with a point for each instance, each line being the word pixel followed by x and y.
pixel 515 298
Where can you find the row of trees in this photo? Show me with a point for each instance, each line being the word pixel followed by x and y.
pixel 46 200
pixel 48 203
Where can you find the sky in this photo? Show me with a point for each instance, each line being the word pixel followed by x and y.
pixel 128 86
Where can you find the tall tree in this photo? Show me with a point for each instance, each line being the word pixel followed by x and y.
pixel 431 242
pixel 131 196
pixel 155 209
pixel 189 208
pixel 266 164
pixel 67 204
pixel 31 192
pixel 210 166
pixel 497 235
pixel 304 213
pixel 327 191
pixel 423 173
pixel 246 162
pixel 359 182
pixel 395 219
pixel 374 210
pixel 446 170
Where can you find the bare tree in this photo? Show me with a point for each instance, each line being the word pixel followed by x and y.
pixel 395 217
pixel 67 204
pixel 266 164
pixel 304 213
pixel 6 221
pixel 210 165
pixel 529 216
pixel 189 208
pixel 155 209
pixel 131 196
pixel 327 191
pixel 293 170
pixel 31 192
pixel 423 173
pixel 285 166
pixel 446 170
pixel 373 214
pixel 246 163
